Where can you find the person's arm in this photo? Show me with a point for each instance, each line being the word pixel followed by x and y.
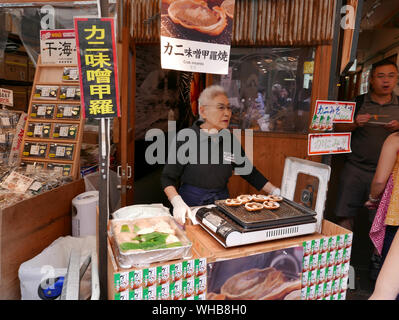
pixel 387 284
pixel 392 126
pixel 180 208
pixel 385 165
pixel 360 121
pixel 170 192
pixel 171 174
pixel 269 188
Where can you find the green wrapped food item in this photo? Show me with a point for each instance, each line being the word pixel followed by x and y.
pixel 125 228
pixel 149 241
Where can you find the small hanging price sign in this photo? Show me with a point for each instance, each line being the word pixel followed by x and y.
pixel 329 143
pixel 328 112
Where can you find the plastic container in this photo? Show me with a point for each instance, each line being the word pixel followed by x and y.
pixel 84 212
pixel 139 258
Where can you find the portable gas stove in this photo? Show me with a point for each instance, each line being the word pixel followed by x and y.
pixel 235 226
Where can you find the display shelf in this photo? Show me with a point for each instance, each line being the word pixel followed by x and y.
pixel 49 101
pixel 63 121
pixel 52 75
pixel 69 83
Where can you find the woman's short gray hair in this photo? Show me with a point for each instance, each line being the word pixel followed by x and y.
pixel 209 93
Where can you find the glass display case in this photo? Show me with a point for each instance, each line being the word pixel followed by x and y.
pixel 269 88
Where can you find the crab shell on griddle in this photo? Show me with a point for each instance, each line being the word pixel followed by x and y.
pixel 179 7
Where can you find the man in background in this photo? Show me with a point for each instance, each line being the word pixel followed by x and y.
pixel 376 116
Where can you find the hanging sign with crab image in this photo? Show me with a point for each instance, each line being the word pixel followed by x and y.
pixel 196 35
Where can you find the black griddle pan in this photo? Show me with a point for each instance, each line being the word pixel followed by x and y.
pixel 289 213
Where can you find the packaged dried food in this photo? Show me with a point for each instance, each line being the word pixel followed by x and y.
pixel 30 166
pixel 60 168
pixel 33 149
pixel 8 119
pixel 46 92
pixel 38 130
pixel 42 111
pixel 70 74
pixel 70 93
pixel 61 151
pixel 16 182
pixel 65 131
pixel 68 112
pixel 148 240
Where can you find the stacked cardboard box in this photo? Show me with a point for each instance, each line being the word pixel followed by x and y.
pixel 325 267
pixel 15 67
pixel 168 280
pixel 31 70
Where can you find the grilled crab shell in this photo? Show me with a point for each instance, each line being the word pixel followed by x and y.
pixel 195 14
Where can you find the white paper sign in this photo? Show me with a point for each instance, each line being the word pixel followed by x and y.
pixel 194 56
pixel 6 97
pixel 58 47
pixel 337 111
pixel 329 143
pixel 17 182
pixel 198 38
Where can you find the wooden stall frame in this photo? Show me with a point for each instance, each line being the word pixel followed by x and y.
pixel 76 142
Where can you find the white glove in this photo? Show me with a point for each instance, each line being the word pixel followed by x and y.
pixel 276 192
pixel 180 209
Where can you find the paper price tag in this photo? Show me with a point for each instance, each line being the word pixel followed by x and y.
pixel 5 121
pixel 64 131
pixel 41 111
pixel 328 112
pixel 60 152
pixel 38 131
pixel 329 143
pixel 35 186
pixel 34 150
pixel 3 138
pixel 30 168
pixel 70 92
pixel 67 111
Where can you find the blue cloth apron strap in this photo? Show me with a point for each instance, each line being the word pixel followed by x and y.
pixel 194 196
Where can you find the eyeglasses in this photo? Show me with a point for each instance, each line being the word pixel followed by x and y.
pixel 386 76
pixel 221 107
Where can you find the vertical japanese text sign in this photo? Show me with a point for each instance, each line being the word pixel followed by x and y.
pixel 95 41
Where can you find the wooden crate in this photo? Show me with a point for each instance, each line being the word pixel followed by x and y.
pixel 30 226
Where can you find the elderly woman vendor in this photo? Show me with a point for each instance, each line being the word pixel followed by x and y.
pixel 201 183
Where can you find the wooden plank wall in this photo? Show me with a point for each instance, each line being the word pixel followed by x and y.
pixel 269 153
